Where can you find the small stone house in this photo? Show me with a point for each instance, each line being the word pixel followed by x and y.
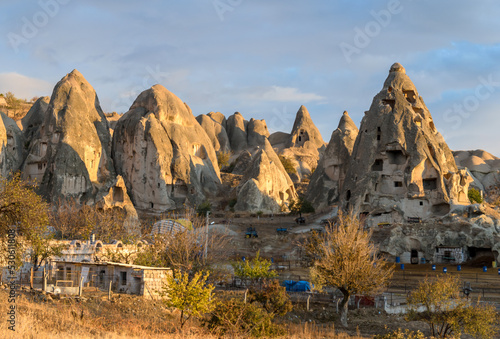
pixel 124 278
pixel 449 254
pixel 3 102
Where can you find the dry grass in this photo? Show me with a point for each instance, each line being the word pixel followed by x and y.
pixel 125 317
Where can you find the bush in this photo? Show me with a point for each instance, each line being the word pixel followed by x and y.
pixel 223 158
pixel 235 318
pixel 273 298
pixel 474 196
pixel 288 165
pixel 203 208
pixel 301 205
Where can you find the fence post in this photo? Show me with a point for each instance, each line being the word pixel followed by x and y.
pixel 80 287
pixel 308 297
pixel 44 287
pixel 246 291
pixel 109 290
pixel 31 278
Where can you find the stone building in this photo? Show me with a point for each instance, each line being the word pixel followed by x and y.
pixel 124 278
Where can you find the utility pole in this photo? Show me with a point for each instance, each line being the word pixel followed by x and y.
pixel 206 236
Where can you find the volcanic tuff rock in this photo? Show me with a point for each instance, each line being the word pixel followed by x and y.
pixel 11 145
pixel 34 118
pixel 69 154
pixel 304 145
pixel 215 131
pixel 117 197
pixel 265 186
pixel 484 166
pixel 304 133
pixel 236 127
pixel 328 178
pixel 164 155
pixel 401 166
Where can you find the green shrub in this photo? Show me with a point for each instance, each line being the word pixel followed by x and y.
pixel 301 205
pixel 288 165
pixel 223 158
pixel 235 318
pixel 203 208
pixel 474 196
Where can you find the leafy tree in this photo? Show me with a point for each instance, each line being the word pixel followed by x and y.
pixel 273 298
pixel 447 313
pixel 42 248
pixel 254 269
pixel 20 206
pixel 349 262
pixel 190 296
pixel 23 209
pixel 223 158
pixel 301 205
pixel 474 196
pixel 287 164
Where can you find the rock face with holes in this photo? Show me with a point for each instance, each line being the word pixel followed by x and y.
pixel 163 154
pixel 11 145
pixel 70 151
pixel 303 146
pixel 265 186
pixel 328 178
pixel 401 167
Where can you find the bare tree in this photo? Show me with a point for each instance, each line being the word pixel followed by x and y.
pixel 349 262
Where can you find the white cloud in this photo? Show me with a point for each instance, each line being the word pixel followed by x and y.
pixel 283 94
pixel 23 86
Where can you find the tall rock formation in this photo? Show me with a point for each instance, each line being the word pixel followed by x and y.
pixel 35 117
pixel 400 166
pixel 11 145
pixel 304 133
pixel 163 154
pixel 265 186
pixel 257 132
pixel 328 178
pixel 236 127
pixel 304 145
pixel 215 131
pixel 70 153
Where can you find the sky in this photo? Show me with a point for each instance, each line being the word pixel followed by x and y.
pixel 265 59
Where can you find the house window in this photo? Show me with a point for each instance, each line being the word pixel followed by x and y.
pixel 123 278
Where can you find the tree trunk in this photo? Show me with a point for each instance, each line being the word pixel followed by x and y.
pixel 344 305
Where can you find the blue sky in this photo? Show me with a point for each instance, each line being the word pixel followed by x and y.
pixel 266 58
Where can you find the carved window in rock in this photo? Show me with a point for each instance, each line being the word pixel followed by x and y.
pixel 42 149
pixel 118 194
pixel 430 184
pixel 379 133
pixel 410 96
pixel 367 198
pixel 378 165
pixel 396 157
pixel 398 184
pixel 55 137
pixel 389 102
